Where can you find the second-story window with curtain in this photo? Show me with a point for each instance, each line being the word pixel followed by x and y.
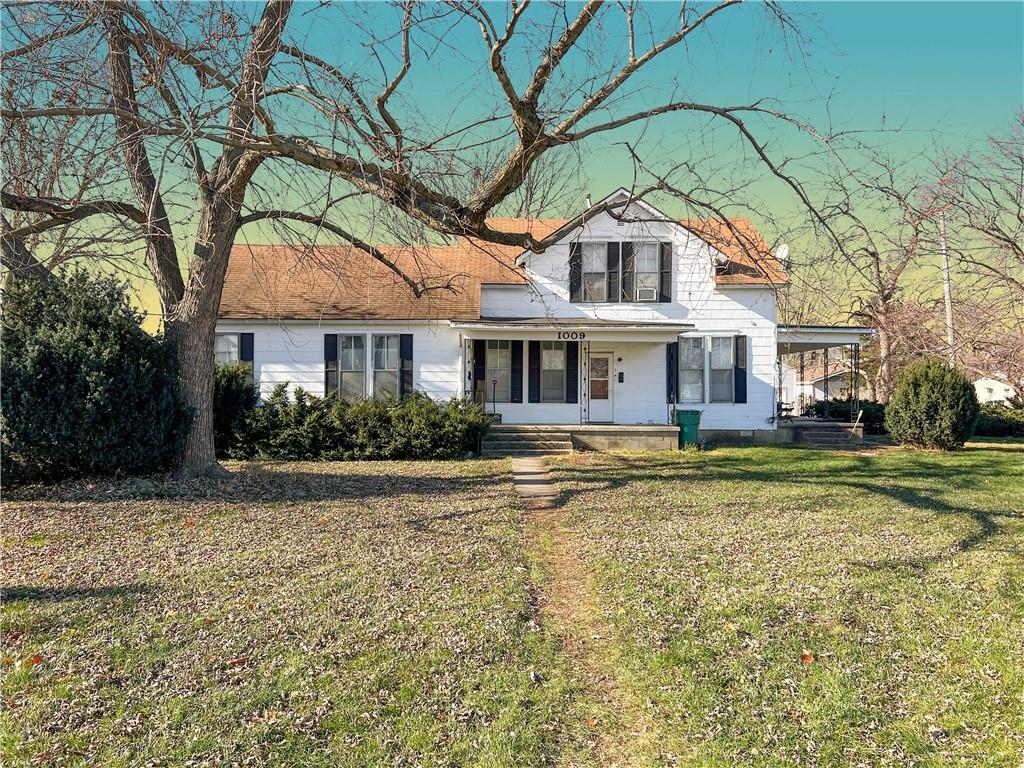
pixel 646 260
pixel 595 271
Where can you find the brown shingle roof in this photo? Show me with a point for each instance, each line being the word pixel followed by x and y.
pixel 749 260
pixel 285 282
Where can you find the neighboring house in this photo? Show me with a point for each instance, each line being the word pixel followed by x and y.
pixel 622 320
pixel 818 382
pixel 994 391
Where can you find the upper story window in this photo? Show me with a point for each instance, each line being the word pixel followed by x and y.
pixel 647 271
pixel 627 272
pixel 595 272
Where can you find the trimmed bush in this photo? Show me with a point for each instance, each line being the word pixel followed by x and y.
pixel 840 409
pixel 933 405
pixel 86 391
pixel 997 420
pixel 234 397
pixel 306 427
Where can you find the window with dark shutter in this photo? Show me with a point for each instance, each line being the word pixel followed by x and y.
pixel 405 353
pixel 517 371
pixel 665 283
pixel 572 371
pixel 612 292
pixel 740 371
pixel 576 272
pixel 671 371
pixel 330 363
pixel 533 385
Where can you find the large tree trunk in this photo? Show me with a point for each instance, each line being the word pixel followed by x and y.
pixel 192 326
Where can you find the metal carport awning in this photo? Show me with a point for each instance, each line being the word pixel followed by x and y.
pixel 806 338
pixel 572 329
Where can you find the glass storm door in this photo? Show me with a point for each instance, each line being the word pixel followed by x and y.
pixel 600 383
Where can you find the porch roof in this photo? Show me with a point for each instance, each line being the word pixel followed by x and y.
pixel 804 338
pixel 582 328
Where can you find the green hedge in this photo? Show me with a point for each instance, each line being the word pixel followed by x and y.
pixel 306 427
pixel 86 391
pixel 839 409
pixel 997 420
pixel 933 405
pixel 234 398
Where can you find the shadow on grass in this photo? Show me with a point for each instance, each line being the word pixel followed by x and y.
pixel 916 480
pixel 57 594
pixel 265 482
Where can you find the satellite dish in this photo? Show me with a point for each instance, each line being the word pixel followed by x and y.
pixel 782 253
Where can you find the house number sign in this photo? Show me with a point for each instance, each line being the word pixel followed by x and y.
pixel 572 335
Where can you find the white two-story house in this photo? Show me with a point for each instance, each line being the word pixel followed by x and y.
pixel 628 316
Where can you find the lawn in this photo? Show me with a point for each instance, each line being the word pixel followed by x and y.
pixel 781 606
pixel 331 614
pixel 753 607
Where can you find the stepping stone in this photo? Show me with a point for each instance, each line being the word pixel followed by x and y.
pixel 532 481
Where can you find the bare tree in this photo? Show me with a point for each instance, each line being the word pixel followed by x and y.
pixel 219 121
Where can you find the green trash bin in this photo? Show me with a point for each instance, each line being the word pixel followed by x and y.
pixel 689 427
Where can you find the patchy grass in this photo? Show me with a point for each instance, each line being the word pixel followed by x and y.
pixel 782 606
pixel 328 614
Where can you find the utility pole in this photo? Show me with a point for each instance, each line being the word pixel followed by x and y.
pixel 947 285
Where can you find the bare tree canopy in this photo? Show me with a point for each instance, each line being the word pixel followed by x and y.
pixel 166 128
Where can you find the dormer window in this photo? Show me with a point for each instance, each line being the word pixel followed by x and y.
pixel 627 272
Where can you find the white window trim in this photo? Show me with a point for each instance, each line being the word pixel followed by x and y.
pixel 565 370
pixel 634 298
pixel 707 369
pixel 372 367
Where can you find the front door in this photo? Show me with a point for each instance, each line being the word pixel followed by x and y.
pixel 600 382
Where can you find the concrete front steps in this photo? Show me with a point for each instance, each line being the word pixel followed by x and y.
pixel 828 435
pixel 512 440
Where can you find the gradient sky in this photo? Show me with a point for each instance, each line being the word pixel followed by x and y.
pixel 930 74
pixel 950 73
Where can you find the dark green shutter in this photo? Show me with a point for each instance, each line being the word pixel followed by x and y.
pixel 245 347
pixel 628 272
pixel 665 284
pixel 613 272
pixel 330 363
pixel 517 372
pixel 479 370
pixel 575 272
pixel 405 372
pixel 572 371
pixel 672 371
pixel 739 370
pixel 533 383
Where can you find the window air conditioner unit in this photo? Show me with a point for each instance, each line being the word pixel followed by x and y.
pixel 646 294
